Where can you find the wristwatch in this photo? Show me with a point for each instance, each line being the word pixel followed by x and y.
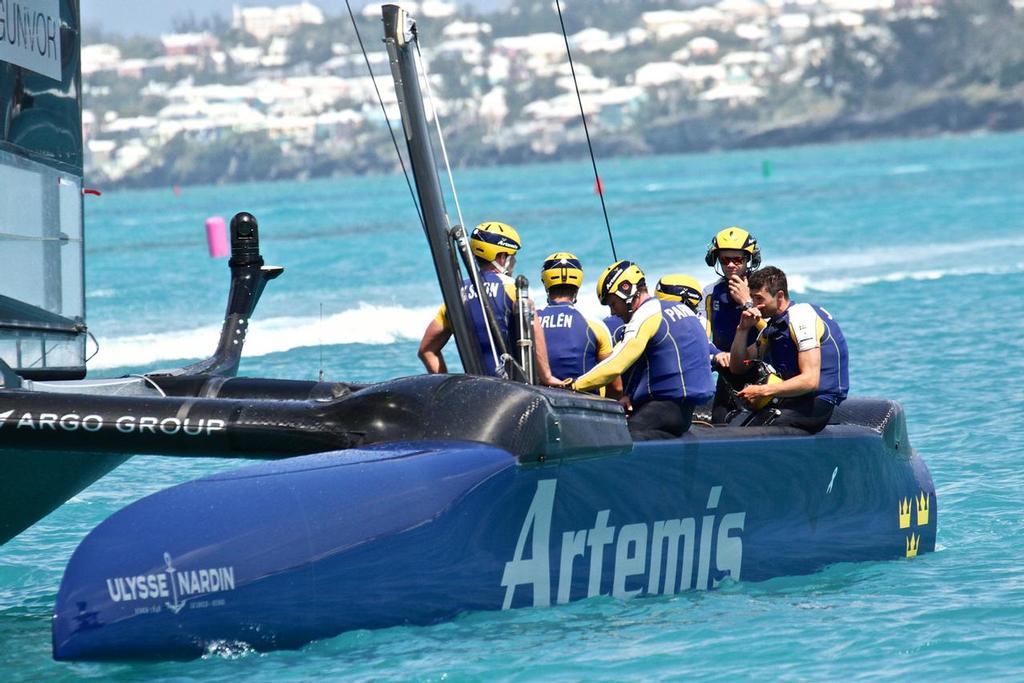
pixel 747 305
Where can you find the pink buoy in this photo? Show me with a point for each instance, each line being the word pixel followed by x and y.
pixel 217 237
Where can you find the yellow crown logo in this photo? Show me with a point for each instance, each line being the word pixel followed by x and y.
pixel 904 513
pixel 913 541
pixel 922 509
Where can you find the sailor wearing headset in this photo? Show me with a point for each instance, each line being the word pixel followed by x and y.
pixel 663 356
pixel 734 254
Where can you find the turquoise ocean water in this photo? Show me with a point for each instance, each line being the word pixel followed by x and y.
pixel 914 246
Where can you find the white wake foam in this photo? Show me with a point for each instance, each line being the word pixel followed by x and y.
pixel 370 324
pixel 878 258
pixel 909 169
pixel 803 283
pixel 366 324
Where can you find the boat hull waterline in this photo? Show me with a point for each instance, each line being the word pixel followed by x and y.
pixel 278 554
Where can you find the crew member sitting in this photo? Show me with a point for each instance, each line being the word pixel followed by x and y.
pixel 495 245
pixel 804 345
pixel 734 254
pixel 575 343
pixel 663 356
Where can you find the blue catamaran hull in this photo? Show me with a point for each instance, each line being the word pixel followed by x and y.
pixel 278 554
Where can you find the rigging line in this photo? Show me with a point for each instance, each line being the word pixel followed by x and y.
pixel 586 130
pixel 422 67
pixel 394 140
pixel 321 330
pixel 474 276
pixel 94 341
pixel 440 137
pixel 151 381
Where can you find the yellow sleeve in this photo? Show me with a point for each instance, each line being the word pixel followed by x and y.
pixel 442 318
pixel 510 291
pixel 604 339
pixel 633 344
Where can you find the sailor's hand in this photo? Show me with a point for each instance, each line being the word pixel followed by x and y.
pixel 722 360
pixel 562 383
pixel 738 289
pixel 748 319
pixel 626 404
pixel 752 392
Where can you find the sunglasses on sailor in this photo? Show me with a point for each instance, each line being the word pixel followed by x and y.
pixel 732 259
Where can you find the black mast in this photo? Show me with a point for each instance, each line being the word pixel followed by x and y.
pixel 399 35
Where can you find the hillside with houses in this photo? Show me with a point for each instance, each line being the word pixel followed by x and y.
pixel 285 92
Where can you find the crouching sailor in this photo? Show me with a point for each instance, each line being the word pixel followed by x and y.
pixel 663 356
pixel 803 343
pixel 575 342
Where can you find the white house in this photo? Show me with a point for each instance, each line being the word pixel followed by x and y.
pixel 657 74
pixel 188 43
pixel 734 93
pixel 99 57
pixel 664 24
pixel 263 22
pixel 465 29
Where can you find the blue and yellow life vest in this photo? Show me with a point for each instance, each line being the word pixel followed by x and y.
pixel 501 290
pixel 800 328
pixel 574 341
pixel 723 315
pixel 663 356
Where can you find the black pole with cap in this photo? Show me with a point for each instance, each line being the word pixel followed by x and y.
pixel 249 276
pixel 399 36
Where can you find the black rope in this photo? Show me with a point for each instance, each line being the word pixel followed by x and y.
pixel 394 140
pixel 597 178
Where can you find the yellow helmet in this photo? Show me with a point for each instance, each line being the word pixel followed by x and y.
pixel 679 287
pixel 734 238
pixel 622 278
pixel 759 403
pixel 492 238
pixel 561 268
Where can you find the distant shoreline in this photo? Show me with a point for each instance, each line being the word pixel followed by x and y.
pixel 780 139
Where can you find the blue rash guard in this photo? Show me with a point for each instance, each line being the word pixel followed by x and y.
pixel 664 349
pixel 501 290
pixel 615 327
pixel 800 328
pixel 723 316
pixel 574 341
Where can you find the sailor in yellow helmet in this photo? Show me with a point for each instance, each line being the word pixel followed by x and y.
pixel 680 288
pixel 685 289
pixel 662 357
pixel 734 254
pixel 575 342
pixel 495 245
